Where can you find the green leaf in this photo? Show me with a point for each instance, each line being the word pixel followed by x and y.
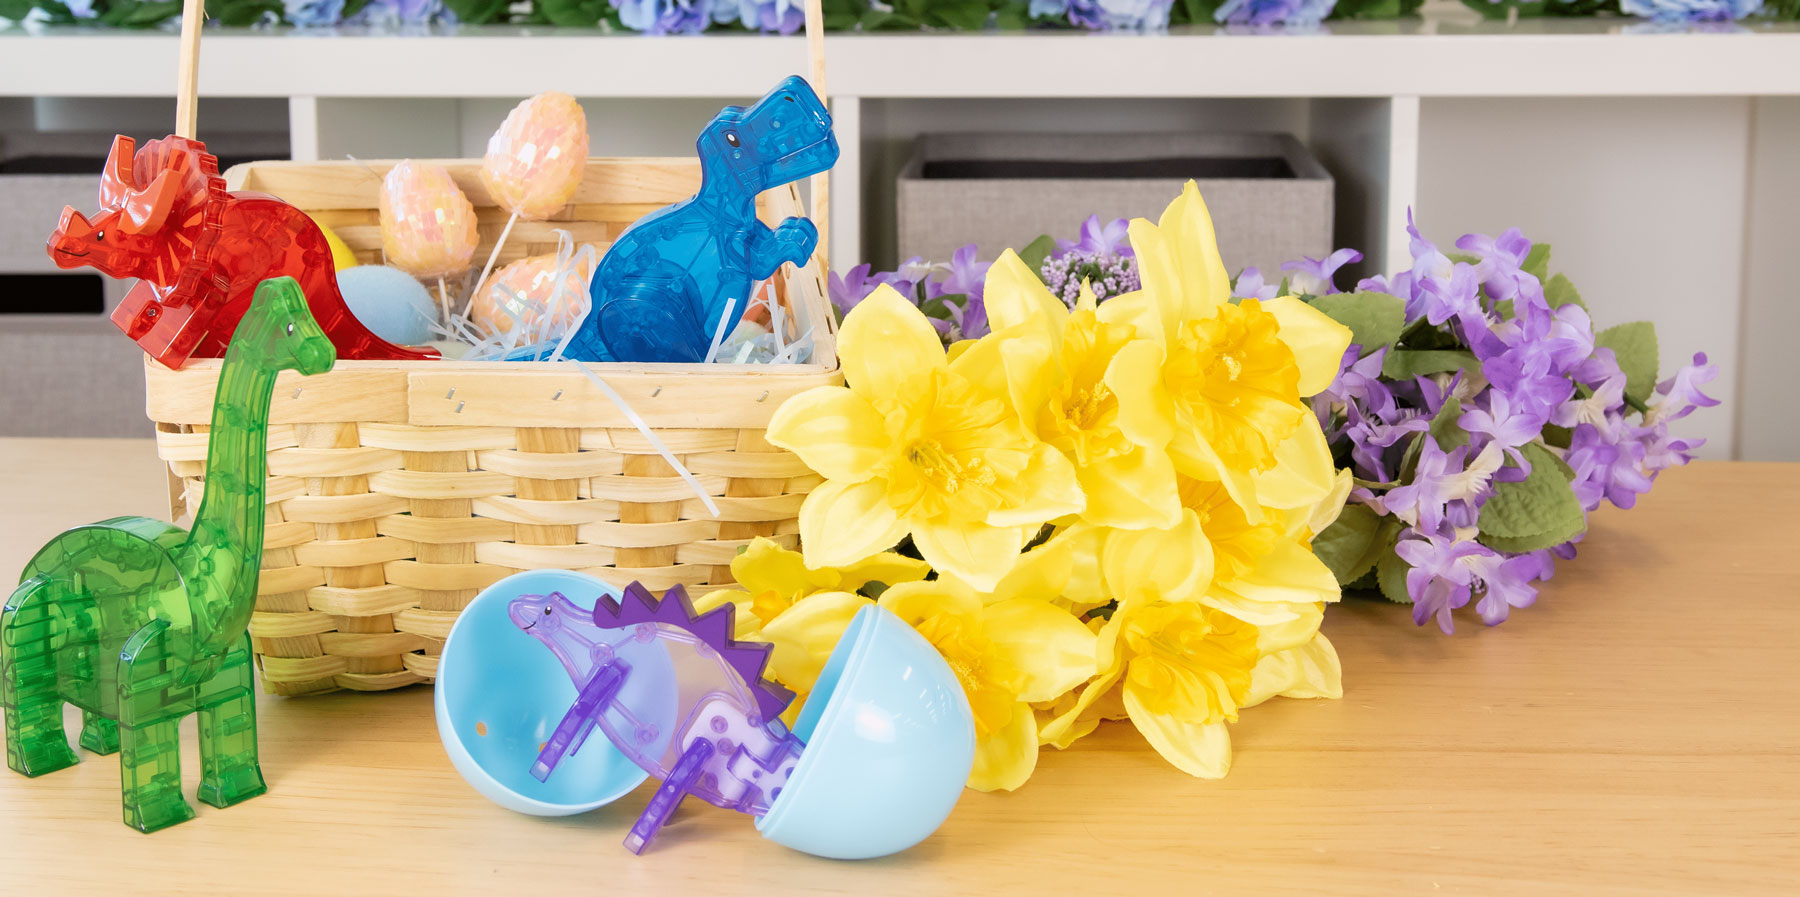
pixel 1634 344
pixel 1374 319
pixel 1405 363
pixel 1537 261
pixel 1035 252
pixel 1557 436
pixel 1444 428
pixel 1537 512
pixel 1366 583
pixel 573 13
pixel 1391 574
pixel 238 13
pixel 1345 545
pixel 1558 291
pixel 16 10
pixel 478 12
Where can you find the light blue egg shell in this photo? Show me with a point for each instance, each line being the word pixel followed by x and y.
pixel 389 302
pixel 889 741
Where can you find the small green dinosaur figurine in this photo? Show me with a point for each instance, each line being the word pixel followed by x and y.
pixel 140 623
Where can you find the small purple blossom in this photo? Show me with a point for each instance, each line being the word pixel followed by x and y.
pixel 1110 238
pixel 1107 275
pixel 1609 463
pixel 1312 277
pixel 1107 15
pixel 1682 391
pixel 1250 285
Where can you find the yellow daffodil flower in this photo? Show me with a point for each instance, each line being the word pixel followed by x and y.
pixel 1056 363
pixel 1007 655
pixel 1220 384
pixel 916 444
pixel 771 578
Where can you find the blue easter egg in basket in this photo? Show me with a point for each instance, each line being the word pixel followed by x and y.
pixel 390 302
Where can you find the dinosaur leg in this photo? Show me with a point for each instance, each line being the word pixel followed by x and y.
pixel 99 734
pixel 229 770
pixel 149 743
pixel 35 741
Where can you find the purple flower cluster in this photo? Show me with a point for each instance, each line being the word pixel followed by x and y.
pixel 1538 378
pixel 1273 12
pixel 951 293
pixel 1102 259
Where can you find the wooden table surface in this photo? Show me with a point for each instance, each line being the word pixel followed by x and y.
pixel 1634 733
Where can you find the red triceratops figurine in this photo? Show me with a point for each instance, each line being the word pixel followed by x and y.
pixel 199 251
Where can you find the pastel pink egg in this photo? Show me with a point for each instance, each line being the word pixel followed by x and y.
pixel 536 159
pixel 427 223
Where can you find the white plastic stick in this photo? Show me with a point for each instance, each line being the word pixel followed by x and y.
pixel 649 435
pixel 490 262
pixel 719 330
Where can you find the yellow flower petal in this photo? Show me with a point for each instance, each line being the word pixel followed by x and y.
pixel 1146 414
pixel 1277 637
pixel 1111 663
pixel 835 431
pixel 1005 758
pixel 886 339
pixel 955 350
pixel 1198 749
pixel 981 364
pixel 1132 308
pixel 914 602
pixel 842 523
pixel 886 567
pixel 976 553
pixel 1135 490
pixel 746 625
pixel 1031 371
pixel 765 566
pixel 1046 643
pixel 806 633
pixel 1289 572
pixel 1173 564
pixel 1304 473
pixel 1179 260
pixel 1311 670
pixel 1046 490
pixel 1015 297
pixel 1194 457
pixel 1318 341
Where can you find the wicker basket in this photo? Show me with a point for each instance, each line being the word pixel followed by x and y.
pixel 397 490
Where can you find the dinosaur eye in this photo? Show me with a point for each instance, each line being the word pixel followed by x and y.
pixel 789 99
pixel 546 612
pixel 731 138
pixel 99 236
pixel 290 330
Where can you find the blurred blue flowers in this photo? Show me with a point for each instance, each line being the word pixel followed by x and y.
pixel 1691 10
pixel 665 16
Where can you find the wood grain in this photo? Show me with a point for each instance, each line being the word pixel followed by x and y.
pixel 1634 733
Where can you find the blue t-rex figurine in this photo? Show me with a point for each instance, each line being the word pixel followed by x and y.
pixel 663 287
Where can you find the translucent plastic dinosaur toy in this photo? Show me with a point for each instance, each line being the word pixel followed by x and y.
pixel 140 623
pixel 724 741
pixel 683 273
pixel 200 251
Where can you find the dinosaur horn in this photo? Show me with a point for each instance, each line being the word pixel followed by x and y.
pixel 117 182
pixel 146 209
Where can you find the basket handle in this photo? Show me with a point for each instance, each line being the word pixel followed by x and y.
pixel 187 72
pixel 821 182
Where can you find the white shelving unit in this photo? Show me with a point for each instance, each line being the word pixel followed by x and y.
pixel 1389 107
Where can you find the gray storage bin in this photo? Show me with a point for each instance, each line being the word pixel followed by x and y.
pixel 1271 201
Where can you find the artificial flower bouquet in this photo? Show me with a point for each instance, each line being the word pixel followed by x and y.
pixel 1483 417
pixel 1094 512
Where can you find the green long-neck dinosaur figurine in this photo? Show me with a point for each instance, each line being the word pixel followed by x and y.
pixel 140 623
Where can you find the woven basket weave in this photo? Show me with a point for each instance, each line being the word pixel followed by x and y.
pixel 397 490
